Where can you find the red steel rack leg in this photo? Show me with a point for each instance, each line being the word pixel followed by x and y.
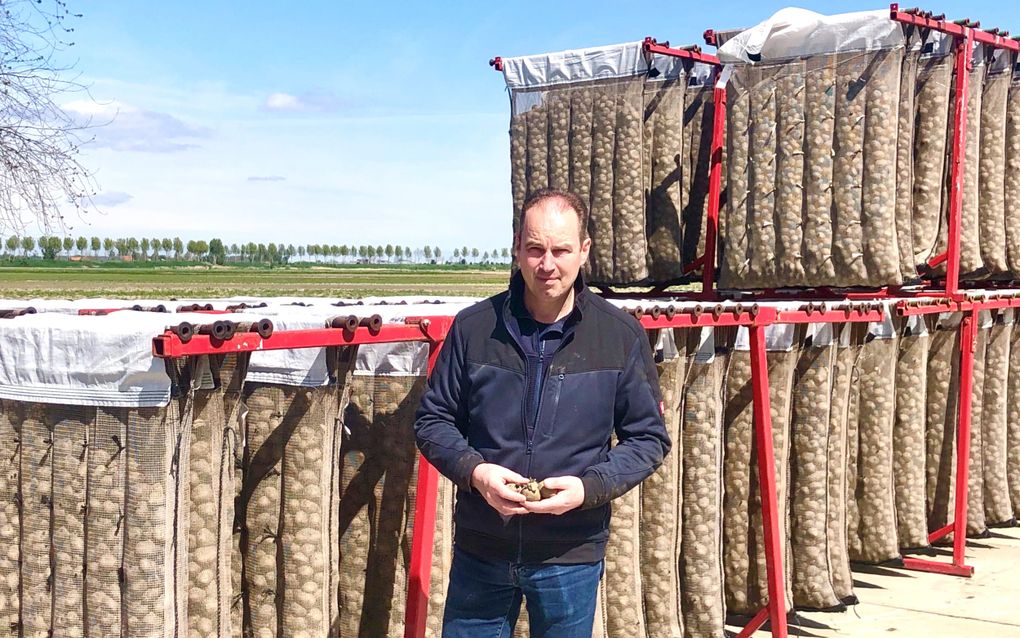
pixel 775 611
pixel 964 64
pixel 714 188
pixel 417 605
pixel 968 334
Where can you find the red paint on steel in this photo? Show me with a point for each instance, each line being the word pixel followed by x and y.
pixel 714 188
pixel 693 52
pixel 941 533
pixel 991 38
pixel 767 482
pixel 964 65
pixel 416 611
pixel 755 623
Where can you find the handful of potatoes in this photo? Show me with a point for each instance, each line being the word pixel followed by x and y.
pixel 534 490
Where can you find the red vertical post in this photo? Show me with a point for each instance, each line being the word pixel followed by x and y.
pixel 968 338
pixel 767 483
pixel 714 184
pixel 416 608
pixel 964 65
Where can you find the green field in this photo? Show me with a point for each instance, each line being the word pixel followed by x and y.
pixel 72 281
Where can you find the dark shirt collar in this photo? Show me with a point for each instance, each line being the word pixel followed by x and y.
pixel 520 311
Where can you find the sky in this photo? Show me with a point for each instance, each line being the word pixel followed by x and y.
pixel 337 122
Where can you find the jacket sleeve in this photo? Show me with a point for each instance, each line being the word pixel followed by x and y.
pixel 440 422
pixel 640 431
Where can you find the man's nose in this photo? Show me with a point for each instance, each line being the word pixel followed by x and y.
pixel 547 261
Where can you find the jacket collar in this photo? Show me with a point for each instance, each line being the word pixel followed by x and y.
pixel 514 305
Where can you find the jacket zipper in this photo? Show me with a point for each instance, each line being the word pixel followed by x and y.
pixel 530 436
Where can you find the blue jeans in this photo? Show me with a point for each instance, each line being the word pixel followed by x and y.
pixel 484 598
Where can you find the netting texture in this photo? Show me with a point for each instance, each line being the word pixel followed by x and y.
pixel 664 134
pixel 838 450
pixel 991 174
pixel 873 538
pixel 1012 177
pixel 70 427
pixel 976 525
pixel 941 411
pixel 701 569
pixel 809 497
pixel 660 514
pixel 10 516
pixel 623 601
pixel 36 492
pixel 1013 420
pixel 743 544
pixel 908 436
pixel 809 220
pixel 377 492
pixel 932 106
pixel 998 509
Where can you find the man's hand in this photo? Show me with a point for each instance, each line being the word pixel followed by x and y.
pixel 569 495
pixel 491 481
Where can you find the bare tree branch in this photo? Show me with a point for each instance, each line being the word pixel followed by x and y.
pixel 40 170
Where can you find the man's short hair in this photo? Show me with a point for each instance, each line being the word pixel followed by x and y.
pixel 569 200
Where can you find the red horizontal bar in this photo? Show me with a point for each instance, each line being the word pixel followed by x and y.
pixel 935 567
pixel 906 309
pixel 169 345
pixel 693 53
pixel 938 259
pixel 855 315
pixel 957 30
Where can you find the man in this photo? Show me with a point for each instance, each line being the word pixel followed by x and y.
pixel 532 383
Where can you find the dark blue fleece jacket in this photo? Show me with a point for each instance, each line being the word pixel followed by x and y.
pixel 600 380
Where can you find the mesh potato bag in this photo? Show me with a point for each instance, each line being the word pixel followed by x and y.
pixel 812 173
pixel 931 123
pixel 207 511
pixel 809 494
pixel 1013 420
pixel 695 164
pixel 701 440
pixel 843 408
pixel 908 433
pixel 905 157
pixel 35 491
pixel 623 600
pixel 992 164
pixel 998 509
pixel 664 133
pixel 442 557
pixel 746 586
pixel 976 525
pixel 941 412
pixel 1012 175
pixel 377 492
pixel 660 512
pixel 10 516
pixel 629 247
pixel 971 264
pixel 873 538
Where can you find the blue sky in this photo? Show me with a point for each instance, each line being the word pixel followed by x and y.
pixel 337 122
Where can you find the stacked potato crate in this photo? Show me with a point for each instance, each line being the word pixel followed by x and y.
pixel 630 135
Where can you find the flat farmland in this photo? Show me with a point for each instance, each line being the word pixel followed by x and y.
pixel 75 281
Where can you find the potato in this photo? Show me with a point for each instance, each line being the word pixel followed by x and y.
pixel 976 525
pixel 848 170
pixel 762 214
pixel 10 516
pixel 665 112
pixel 1012 179
pixel 629 247
pixel 942 401
pixel 932 105
pixel 905 164
pixel 734 220
pixel 991 173
pixel 701 443
pixel 70 426
pixel 820 113
pixel 600 223
pixel 844 396
pixel 698 120
pixel 789 208
pixel 908 436
pixel 997 505
pixel 1013 419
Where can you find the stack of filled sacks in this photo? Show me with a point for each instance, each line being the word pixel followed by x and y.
pixel 209 495
pixel 839 146
pixel 631 136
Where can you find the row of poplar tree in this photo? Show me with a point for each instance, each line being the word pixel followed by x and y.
pixel 215 251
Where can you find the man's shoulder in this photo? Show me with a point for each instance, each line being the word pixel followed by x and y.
pixel 611 318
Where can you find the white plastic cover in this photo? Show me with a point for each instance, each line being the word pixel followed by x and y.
pixel 579 65
pixel 793 32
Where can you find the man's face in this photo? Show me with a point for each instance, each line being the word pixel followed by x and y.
pixel 550 251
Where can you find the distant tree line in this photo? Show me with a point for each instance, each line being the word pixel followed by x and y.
pixel 214 251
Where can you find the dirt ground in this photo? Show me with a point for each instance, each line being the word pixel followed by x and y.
pixel 907 603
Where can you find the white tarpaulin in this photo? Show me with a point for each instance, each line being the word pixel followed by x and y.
pixel 793 32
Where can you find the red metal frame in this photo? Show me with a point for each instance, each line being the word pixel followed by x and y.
pixel 706 261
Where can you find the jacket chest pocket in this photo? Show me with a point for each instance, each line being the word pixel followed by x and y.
pixel 494 408
pixel 577 402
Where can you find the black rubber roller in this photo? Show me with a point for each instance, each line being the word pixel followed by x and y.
pixel 184 331
pixel 373 323
pixel 347 322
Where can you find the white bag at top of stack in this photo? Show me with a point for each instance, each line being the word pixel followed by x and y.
pixel 838 154
pixel 630 134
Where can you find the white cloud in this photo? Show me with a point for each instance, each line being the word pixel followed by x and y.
pixel 111 198
pixel 267 178
pixel 122 127
pixel 309 102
